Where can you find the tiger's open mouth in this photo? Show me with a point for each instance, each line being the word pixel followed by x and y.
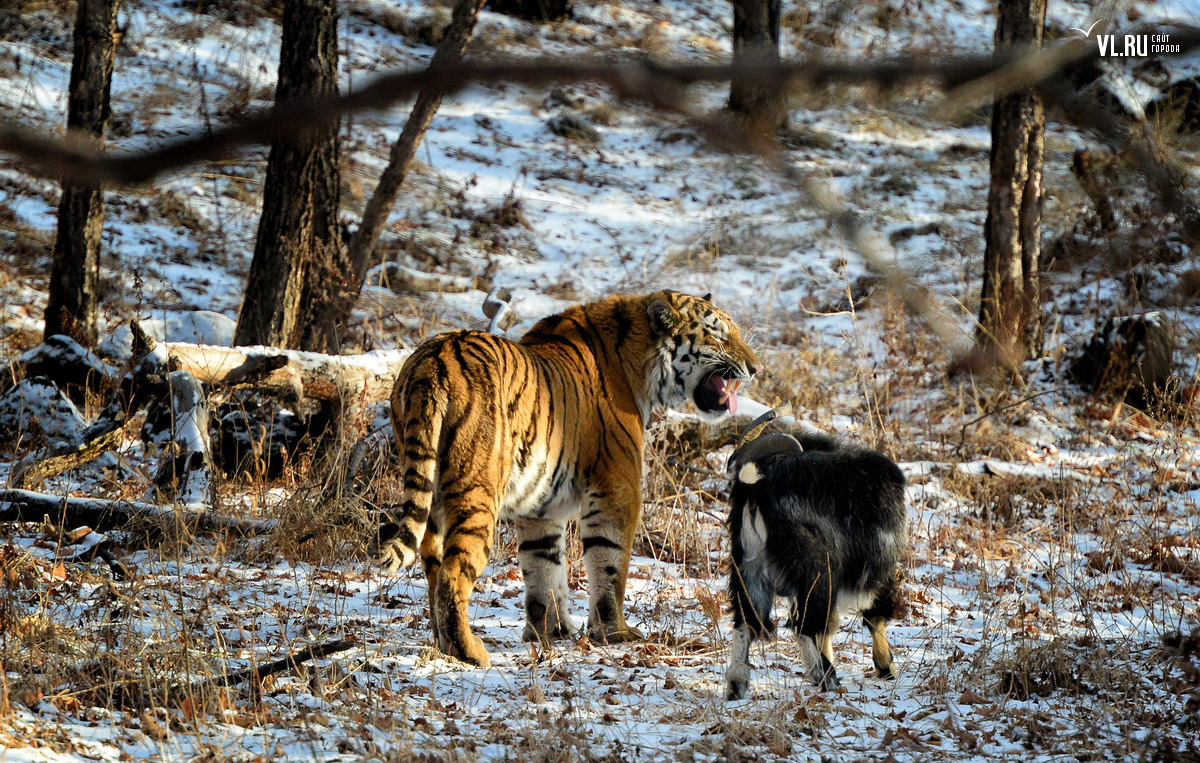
pixel 716 394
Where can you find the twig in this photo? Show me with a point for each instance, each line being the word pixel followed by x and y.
pixel 672 461
pixel 962 439
pixel 290 662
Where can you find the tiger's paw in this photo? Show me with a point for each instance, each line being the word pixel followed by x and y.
pixel 472 652
pixel 388 552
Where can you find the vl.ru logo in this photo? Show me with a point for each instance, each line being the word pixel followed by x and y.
pixel 1135 45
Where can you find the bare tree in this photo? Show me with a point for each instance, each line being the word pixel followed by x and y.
pixel 756 40
pixel 1009 320
pixel 299 266
pixel 362 244
pixel 73 304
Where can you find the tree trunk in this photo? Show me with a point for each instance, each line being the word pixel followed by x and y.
pixel 1009 314
pixel 73 304
pixel 756 39
pixel 299 266
pixel 379 206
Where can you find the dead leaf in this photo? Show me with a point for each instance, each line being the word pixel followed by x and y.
pixel 970 697
pixel 152 728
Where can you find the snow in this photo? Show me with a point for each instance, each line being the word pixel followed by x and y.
pixel 1074 594
pixel 193 327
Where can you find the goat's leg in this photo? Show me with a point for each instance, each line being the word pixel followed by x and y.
pixel 810 620
pixel 737 674
pixel 820 670
pixel 825 639
pixel 876 618
pixel 753 598
pixel 881 651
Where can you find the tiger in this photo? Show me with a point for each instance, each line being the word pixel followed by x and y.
pixel 541 431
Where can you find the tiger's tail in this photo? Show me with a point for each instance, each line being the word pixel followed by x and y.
pixel 418 431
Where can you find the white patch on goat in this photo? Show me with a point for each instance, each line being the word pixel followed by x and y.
pixel 754 532
pixel 749 474
pixel 855 599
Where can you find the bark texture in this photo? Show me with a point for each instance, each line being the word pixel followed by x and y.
pixel 755 40
pixel 1009 313
pixel 299 266
pixel 73 304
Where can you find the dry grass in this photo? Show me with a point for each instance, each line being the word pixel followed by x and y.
pixel 1009 499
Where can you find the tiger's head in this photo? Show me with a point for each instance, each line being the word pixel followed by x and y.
pixel 697 354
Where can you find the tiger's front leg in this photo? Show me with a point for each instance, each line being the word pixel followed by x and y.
pixel 607 527
pixel 544 567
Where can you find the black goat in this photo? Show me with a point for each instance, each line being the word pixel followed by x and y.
pixel 823 524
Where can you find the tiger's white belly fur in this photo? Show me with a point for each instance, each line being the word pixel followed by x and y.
pixel 532 491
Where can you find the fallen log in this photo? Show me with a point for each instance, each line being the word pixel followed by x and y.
pixel 352 382
pixel 103 514
pixel 39 467
pixel 132 694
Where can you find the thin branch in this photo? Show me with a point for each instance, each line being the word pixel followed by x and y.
pixel 290 662
pixel 659 84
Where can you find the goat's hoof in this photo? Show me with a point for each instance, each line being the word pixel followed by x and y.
pixel 735 689
pixel 830 683
pixel 549 635
pixel 603 634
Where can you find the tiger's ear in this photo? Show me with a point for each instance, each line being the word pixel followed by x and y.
pixel 707 297
pixel 663 317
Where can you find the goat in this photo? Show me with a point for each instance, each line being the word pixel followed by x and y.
pixel 822 523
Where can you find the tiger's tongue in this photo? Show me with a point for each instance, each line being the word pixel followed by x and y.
pixel 726 392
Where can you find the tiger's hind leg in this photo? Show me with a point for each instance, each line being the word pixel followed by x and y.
pixel 470 527
pixel 544 567
pixel 431 557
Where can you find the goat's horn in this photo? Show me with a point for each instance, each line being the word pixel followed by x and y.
pixel 756 427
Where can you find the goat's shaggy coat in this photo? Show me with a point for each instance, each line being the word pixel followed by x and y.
pixel 823 524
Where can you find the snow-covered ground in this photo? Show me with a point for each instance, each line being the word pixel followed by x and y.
pixel 1055 541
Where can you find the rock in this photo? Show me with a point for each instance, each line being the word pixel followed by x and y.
pixel 567 97
pixel 37 408
pixel 67 365
pixel 1130 358
pixel 572 125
